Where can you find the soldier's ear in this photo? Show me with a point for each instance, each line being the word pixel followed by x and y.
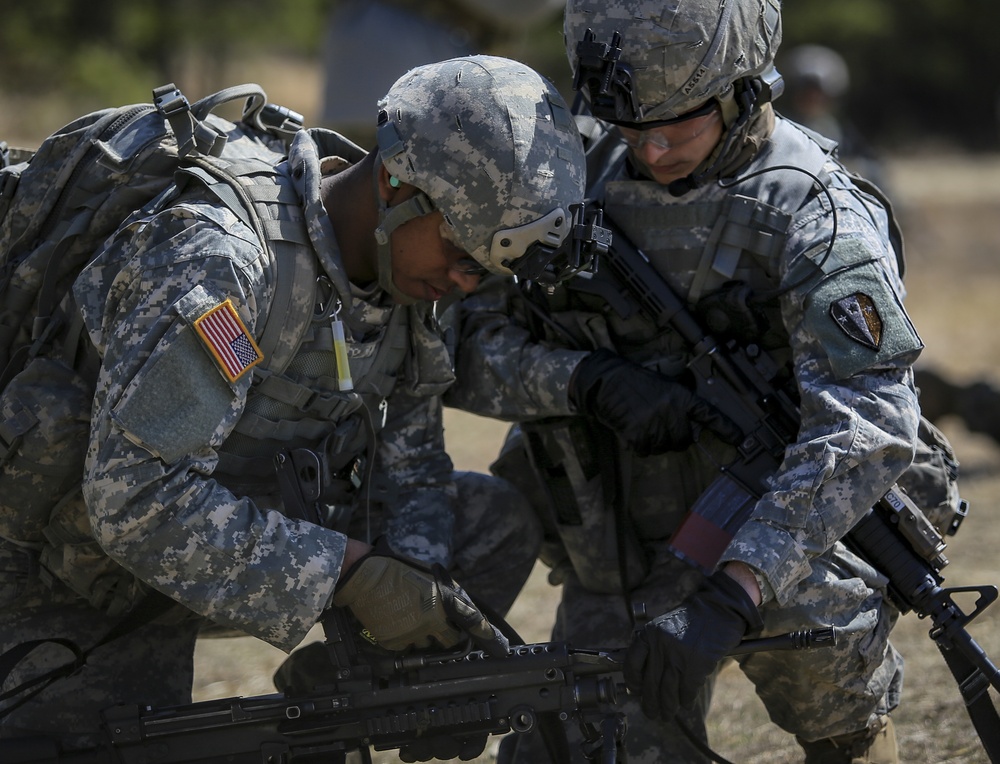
pixel 389 185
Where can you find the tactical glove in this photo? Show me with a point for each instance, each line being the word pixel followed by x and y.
pixel 651 413
pixel 403 603
pixel 672 656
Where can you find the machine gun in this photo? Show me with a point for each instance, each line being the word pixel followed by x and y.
pixel 369 707
pixel 362 699
pixel 894 536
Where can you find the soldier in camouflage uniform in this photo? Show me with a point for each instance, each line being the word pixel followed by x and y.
pixel 689 158
pixel 477 164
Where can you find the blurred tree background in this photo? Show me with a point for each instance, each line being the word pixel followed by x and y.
pixel 924 73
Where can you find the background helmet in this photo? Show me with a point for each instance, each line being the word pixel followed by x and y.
pixel 677 54
pixel 493 146
pixel 816 66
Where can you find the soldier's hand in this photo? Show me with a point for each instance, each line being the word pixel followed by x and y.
pixel 404 603
pixel 651 413
pixel 672 656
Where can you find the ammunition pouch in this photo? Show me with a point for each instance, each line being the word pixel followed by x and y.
pixel 319 486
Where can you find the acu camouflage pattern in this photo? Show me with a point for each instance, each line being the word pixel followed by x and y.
pixel 492 553
pixel 494 148
pixel 683 52
pixel 78 187
pixel 151 482
pixel 857 437
pixel 163 512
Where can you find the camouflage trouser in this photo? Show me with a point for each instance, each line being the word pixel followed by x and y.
pixel 811 693
pixel 495 545
pixel 497 538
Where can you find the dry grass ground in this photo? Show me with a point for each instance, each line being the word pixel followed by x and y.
pixel 950 208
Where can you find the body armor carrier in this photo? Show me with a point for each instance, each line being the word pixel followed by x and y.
pixel 715 251
pixel 295 402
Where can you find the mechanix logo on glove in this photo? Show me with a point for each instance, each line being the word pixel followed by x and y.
pixel 398 605
pixel 402 603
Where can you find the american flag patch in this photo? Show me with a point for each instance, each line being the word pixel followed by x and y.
pixel 228 340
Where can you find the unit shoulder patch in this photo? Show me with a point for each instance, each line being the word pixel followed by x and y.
pixel 859 319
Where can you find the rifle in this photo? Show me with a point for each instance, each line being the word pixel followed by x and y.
pixel 894 536
pixel 368 699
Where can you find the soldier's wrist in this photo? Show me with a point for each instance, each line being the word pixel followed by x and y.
pixel 354 551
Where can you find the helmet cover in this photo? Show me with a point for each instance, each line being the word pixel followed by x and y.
pixel 493 146
pixel 681 53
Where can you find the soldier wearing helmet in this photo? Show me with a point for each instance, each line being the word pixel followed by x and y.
pixel 255 501
pixel 759 228
pixel 817 82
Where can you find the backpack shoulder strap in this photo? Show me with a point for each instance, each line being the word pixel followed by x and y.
pixel 261 195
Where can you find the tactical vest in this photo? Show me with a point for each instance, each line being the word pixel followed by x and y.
pixel 293 401
pixel 698 247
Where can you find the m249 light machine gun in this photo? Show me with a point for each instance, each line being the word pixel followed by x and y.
pixel 371 706
pixel 361 699
pixel 894 536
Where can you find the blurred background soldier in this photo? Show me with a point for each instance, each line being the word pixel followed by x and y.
pixel 817 86
pixel 369 42
pixel 817 83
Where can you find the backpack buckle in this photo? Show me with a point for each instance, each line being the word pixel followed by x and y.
pixel 169 100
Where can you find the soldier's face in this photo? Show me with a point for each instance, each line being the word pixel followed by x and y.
pixel 672 152
pixel 425 264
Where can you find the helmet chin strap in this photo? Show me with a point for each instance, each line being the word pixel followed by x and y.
pixel 389 219
pixel 743 139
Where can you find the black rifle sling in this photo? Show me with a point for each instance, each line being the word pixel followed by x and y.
pixel 974 686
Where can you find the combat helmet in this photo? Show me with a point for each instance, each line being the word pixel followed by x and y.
pixel 816 66
pixel 652 61
pixel 492 145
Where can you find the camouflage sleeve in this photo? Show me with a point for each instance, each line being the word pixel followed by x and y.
pixel 852 346
pixel 163 405
pixel 420 516
pixel 501 371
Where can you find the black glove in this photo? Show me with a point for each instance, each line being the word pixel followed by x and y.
pixel 652 413
pixel 405 603
pixel 446 748
pixel 672 656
